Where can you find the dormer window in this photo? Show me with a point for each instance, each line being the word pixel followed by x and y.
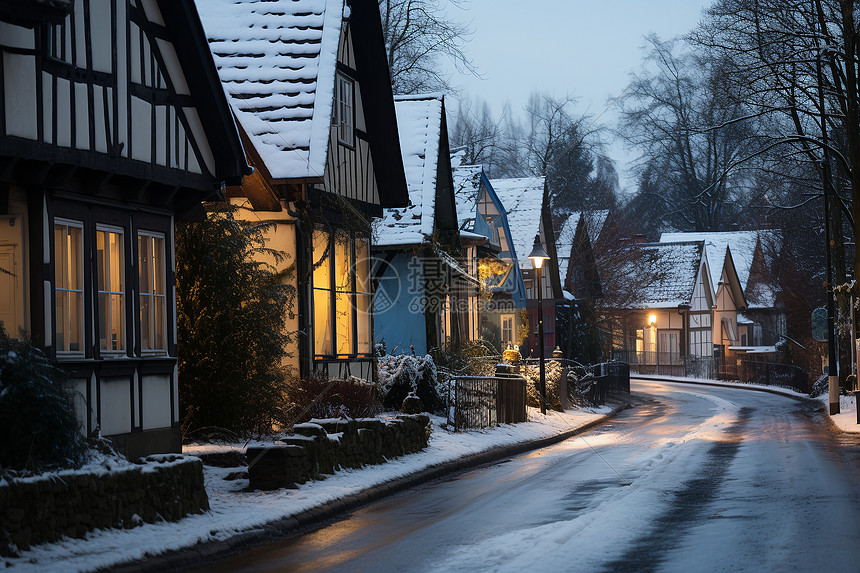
pixel 344 110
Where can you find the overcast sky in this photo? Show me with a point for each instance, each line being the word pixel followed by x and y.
pixel 585 48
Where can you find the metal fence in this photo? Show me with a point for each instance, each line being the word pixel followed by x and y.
pixel 598 382
pixel 479 402
pixel 774 375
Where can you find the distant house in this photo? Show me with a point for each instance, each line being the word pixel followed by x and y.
pixel 577 238
pixel 480 211
pixel 528 214
pixel 749 319
pixel 426 291
pixel 308 83
pixel 668 327
pixel 112 124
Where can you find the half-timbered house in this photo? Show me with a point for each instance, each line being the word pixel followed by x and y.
pixel 308 84
pixel 112 122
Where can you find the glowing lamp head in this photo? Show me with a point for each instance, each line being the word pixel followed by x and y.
pixel 652 319
pixel 538 255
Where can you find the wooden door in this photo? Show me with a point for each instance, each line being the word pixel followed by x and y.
pixel 11 278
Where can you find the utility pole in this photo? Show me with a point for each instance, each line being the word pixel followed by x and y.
pixel 832 361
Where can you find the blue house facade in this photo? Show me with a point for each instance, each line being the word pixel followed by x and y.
pixel 426 293
pixel 481 212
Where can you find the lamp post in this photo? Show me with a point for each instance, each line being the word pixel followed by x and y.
pixel 538 256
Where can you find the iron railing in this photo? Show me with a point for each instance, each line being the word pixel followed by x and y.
pixel 483 401
pixel 598 382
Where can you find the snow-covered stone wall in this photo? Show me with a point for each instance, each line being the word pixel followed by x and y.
pixel 322 446
pixel 70 503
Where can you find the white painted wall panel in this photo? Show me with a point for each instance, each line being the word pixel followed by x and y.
pixel 47 107
pixel 161 135
pixel 141 126
pixel 153 14
pixel 82 117
pixel 80 35
pixel 100 29
pixel 156 402
pixel 16 36
pixel 101 137
pixel 200 138
pixel 20 95
pixel 134 53
pixel 115 406
pixel 121 79
pixel 174 68
pixel 64 113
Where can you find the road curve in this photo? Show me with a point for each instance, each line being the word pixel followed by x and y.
pixel 693 478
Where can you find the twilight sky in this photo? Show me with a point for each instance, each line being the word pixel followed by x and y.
pixel 585 48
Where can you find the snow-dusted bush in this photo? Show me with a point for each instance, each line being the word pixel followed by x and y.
pixel 552 378
pixel 400 375
pixel 37 420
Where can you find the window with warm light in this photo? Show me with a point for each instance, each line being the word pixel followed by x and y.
pixel 507 329
pixel 110 285
pixel 342 296
pixel 69 287
pixel 153 292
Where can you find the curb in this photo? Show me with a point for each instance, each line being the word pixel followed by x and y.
pixel 717 384
pixel 196 556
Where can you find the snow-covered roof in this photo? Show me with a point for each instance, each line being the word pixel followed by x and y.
pixel 674 268
pixel 564 243
pixel 467 185
pixel 276 60
pixel 419 123
pixel 741 244
pixel 522 198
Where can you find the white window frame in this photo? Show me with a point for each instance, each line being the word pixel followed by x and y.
pixel 344 109
pixel 150 236
pixel 66 319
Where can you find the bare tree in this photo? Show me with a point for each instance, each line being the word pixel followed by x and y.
pixel 696 159
pixel 476 133
pixel 417 33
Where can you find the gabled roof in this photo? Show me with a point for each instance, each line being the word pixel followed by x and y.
pixel 523 199
pixel 467 186
pixel 564 243
pixel 674 268
pixel 419 123
pixel 276 60
pixel 741 243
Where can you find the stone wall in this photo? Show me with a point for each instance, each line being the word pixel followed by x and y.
pixel 45 508
pixel 322 446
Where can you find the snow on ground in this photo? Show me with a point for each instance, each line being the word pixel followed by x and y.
pixel 234 510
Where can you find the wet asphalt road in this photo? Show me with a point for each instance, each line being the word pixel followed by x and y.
pixel 692 478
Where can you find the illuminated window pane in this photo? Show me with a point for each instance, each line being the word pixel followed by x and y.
pixel 322 271
pixel 322 322
pixel 153 289
pixel 363 318
pixel 362 266
pixel 68 287
pixel 343 263
pixel 343 326
pixel 110 265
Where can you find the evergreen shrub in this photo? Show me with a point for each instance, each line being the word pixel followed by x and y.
pixel 38 427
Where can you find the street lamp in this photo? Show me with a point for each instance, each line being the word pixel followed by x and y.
pixel 538 256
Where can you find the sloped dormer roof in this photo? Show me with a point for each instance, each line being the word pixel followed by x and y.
pixel 467 186
pixel 523 199
pixel 277 61
pixel 742 245
pixel 674 270
pixel 419 123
